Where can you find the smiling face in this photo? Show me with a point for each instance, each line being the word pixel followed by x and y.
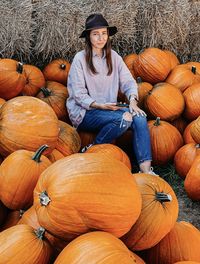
pixel 98 38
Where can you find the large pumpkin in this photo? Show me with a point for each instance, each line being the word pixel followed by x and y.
pixel 152 65
pixel 12 78
pixel 96 247
pixel 159 212
pixel 181 243
pixel 19 173
pixel 165 141
pixel 23 244
pixel 84 192
pixel 27 123
pixel 166 101
pixel 174 61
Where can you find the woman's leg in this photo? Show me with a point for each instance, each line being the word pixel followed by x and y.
pixel 141 143
pixel 109 124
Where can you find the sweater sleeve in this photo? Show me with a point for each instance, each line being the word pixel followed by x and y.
pixel 128 85
pixel 77 86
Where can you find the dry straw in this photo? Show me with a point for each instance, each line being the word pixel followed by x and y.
pixel 165 24
pixel 59 24
pixel 16 31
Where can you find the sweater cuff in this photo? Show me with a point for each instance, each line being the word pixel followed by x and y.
pixel 87 102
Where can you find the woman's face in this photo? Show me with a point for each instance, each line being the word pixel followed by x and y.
pixel 98 37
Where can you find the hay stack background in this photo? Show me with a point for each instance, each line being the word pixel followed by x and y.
pixel 38 31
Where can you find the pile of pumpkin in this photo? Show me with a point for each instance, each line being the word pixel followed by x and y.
pixel 61 206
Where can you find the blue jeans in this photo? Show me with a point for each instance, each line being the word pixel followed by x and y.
pixel 110 125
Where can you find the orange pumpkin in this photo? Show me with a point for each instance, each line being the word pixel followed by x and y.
pixel 192 180
pixel 143 89
pixel 57 70
pixel 23 244
pixel 164 145
pixel 111 151
pixel 22 168
pixel 195 130
pixel 69 141
pixel 165 101
pixel 55 94
pixel 172 58
pixel 184 158
pixel 55 155
pixel 192 102
pixel 129 59
pixel 180 244
pixel 187 262
pixel 158 216
pixel 184 75
pixel 12 78
pixel 96 247
pixel 84 192
pixel 180 123
pixel 187 135
pixel 34 80
pixel 152 65
pixel 27 123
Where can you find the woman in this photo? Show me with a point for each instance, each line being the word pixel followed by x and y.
pixel 95 76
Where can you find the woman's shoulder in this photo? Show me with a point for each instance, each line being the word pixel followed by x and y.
pixel 80 56
pixel 115 55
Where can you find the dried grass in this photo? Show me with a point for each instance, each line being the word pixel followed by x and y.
pixel 16 31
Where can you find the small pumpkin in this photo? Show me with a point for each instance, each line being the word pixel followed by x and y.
pixel 57 70
pixel 129 59
pixel 187 135
pixel 12 78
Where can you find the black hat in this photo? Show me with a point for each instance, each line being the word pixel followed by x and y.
pixel 97 21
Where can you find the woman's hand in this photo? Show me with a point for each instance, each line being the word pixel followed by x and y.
pixel 134 109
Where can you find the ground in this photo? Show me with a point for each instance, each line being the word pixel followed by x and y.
pixel 188 210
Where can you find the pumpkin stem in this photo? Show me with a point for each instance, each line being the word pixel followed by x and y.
pixel 21 212
pixel 40 232
pixel 19 67
pixel 139 79
pixel 157 122
pixel 63 66
pixel 163 197
pixel 197 145
pixel 194 70
pixel 45 91
pixel 36 157
pixel 44 198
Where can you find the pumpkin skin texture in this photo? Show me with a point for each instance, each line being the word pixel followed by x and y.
pixel 23 125
pixel 111 151
pixel 55 94
pixel 69 141
pixel 187 135
pixel 164 145
pixel 180 244
pixel 182 76
pixel 165 101
pixel 158 216
pixel 12 78
pixel 34 80
pixel 143 89
pixel 172 58
pixel 192 180
pixel 195 130
pixel 129 59
pixel 180 123
pixel 96 247
pixel 27 168
pixel 84 192
pixel 192 102
pixel 19 244
pixel 57 71
pixel 184 158
pixel 187 262
pixel 152 65
pixel 55 155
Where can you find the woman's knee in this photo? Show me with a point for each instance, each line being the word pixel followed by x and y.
pixel 140 121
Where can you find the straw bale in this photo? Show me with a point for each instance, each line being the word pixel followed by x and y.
pixel 16 31
pixel 60 22
pixel 165 24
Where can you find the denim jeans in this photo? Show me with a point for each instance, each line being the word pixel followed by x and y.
pixel 111 124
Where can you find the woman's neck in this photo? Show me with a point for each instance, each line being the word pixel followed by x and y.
pixel 99 52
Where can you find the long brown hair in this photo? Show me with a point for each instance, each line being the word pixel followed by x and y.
pixel 88 50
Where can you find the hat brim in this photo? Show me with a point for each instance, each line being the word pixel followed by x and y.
pixel 112 31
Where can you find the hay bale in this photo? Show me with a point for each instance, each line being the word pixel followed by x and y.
pixel 165 24
pixel 60 23
pixel 16 29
